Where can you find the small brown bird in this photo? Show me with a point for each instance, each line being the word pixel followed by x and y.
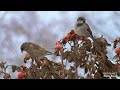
pixel 35 51
pixel 82 28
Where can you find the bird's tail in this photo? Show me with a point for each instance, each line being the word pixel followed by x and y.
pixel 48 53
pixel 93 38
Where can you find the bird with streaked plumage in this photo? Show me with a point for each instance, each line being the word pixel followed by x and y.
pixel 35 51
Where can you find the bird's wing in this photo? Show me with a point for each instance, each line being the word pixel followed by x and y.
pixel 35 46
pixel 75 26
pixel 88 29
pixel 36 53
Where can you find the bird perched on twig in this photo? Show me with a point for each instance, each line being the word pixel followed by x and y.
pixel 35 51
pixel 82 29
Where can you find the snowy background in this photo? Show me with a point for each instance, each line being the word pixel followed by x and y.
pixel 47 27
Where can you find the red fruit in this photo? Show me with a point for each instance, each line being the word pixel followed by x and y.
pixel 20 75
pixel 117 50
pixel 58 47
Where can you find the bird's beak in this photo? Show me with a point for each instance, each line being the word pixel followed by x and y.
pixel 21 49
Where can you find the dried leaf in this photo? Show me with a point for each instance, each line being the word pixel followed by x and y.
pixel 65 55
pixel 6 76
pixel 38 63
pixel 2 64
pixel 14 68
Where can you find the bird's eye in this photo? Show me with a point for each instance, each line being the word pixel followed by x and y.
pixel 22 48
pixel 82 19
